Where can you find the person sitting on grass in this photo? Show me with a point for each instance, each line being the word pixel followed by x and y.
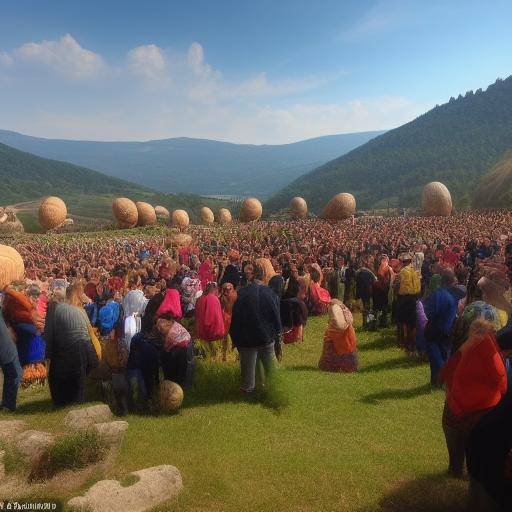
pixel 339 352
pixel 255 325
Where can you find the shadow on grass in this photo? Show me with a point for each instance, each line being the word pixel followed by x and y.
pixel 432 493
pixel 397 394
pixel 383 343
pixel 392 364
pixel 302 368
pixel 35 407
pixel 220 383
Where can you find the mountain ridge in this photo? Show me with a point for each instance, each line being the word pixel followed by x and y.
pixel 201 166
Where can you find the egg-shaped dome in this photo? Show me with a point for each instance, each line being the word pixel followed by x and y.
pixel 146 214
pixel 10 224
pixel 162 213
pixel 52 213
pixel 224 216
pixel 179 240
pixel 180 219
pixel 250 210
pixel 125 213
pixel 436 199
pixel 12 267
pixel 341 206
pixel 206 215
pixel 299 208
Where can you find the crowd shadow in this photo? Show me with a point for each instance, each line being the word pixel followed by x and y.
pixel 431 493
pixel 35 406
pixel 397 363
pixel 397 394
pixel 383 343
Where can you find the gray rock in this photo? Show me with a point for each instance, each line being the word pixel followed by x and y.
pixel 111 432
pixel 82 419
pixel 32 443
pixel 9 429
pixel 155 486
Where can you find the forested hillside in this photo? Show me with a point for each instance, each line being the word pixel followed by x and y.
pixel 26 177
pixel 455 143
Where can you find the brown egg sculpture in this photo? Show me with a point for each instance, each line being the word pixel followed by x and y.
pixel 225 216
pixel 12 267
pixel 52 213
pixel 206 215
pixel 341 206
pixel 180 219
pixel 146 214
pixel 125 213
pixel 162 213
pixel 436 200
pixel 299 208
pixel 251 210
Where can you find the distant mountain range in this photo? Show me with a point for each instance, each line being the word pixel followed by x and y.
pixel 26 177
pixel 198 166
pixel 455 143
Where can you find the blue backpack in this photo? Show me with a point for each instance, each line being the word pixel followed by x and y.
pixel 108 317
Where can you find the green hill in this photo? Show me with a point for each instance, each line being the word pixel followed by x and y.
pixel 26 177
pixel 455 143
pixel 495 188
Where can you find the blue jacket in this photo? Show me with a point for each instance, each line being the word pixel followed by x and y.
pixel 256 319
pixel 441 309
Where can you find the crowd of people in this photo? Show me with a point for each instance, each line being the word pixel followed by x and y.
pixel 124 312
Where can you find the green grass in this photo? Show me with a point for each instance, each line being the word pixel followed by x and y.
pixel 363 442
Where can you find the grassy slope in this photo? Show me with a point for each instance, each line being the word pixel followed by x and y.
pixel 363 442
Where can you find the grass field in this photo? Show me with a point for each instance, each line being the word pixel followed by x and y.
pixel 324 442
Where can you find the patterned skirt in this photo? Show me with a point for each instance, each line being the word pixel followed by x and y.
pixel 330 361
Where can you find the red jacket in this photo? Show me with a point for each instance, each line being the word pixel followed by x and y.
pixel 475 376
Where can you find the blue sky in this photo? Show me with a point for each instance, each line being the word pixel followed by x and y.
pixel 243 71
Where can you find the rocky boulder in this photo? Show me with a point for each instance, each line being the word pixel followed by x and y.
pixel 32 444
pixel 111 432
pixel 154 486
pixel 82 419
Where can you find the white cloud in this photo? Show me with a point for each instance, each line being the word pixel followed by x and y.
pixel 150 63
pixel 195 60
pixel 382 17
pixel 5 59
pixel 66 56
pixel 198 102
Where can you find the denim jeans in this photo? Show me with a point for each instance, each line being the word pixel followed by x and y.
pixel 437 355
pixel 12 377
pixel 248 360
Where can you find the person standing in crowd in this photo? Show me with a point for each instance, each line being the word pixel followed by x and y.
pixel 11 367
pixel 365 280
pixel 476 381
pixel 441 310
pixel 381 290
pixel 70 351
pixel 255 325
pixel 408 288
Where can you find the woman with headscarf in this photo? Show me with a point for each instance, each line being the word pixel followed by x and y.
pixel 476 381
pixel 339 352
pixel 268 269
pixel 319 298
pixel 209 324
pixel 134 305
pixel 205 273
pixel 176 345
